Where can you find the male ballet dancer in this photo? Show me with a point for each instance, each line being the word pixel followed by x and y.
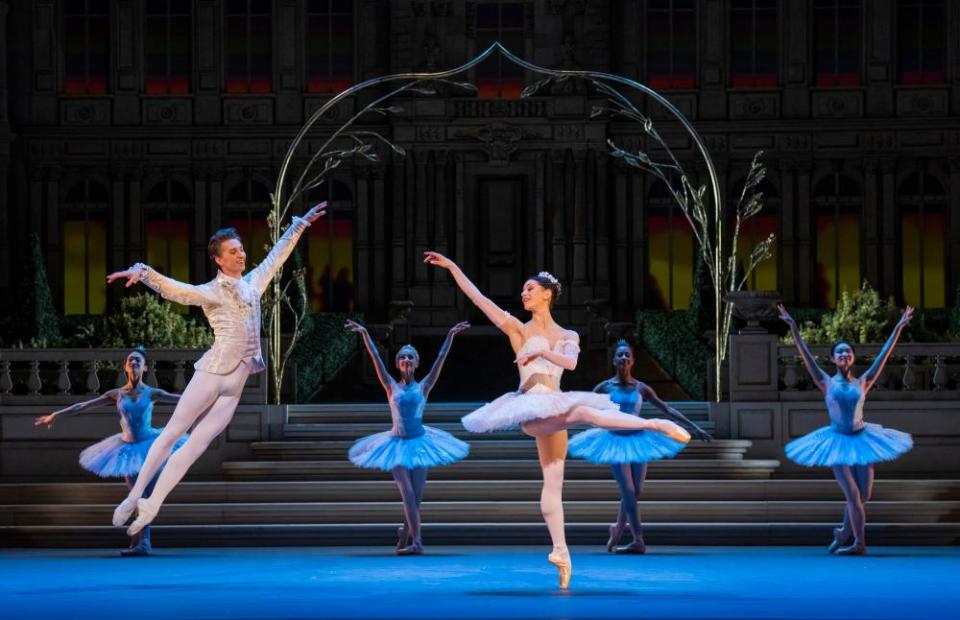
pixel 231 303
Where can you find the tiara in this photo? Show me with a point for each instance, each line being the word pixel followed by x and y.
pixel 546 275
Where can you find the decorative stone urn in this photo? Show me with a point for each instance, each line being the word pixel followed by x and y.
pixel 753 307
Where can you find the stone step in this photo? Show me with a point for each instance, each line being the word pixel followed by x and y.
pixel 600 489
pixel 482 511
pixel 360 413
pixel 343 432
pixel 479 469
pixel 679 533
pixel 721 449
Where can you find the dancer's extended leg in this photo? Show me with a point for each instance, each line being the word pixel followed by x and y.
pixel 608 419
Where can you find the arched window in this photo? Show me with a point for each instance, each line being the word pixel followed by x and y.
pixel 497 20
pixel 247 207
pixel 86 208
pixel 330 271
pixel 837 41
pixel 86 46
pixel 754 52
pixel 166 47
pixel 167 211
pixel 922 41
pixel 670 251
pixel 753 231
pixel 249 41
pixel 923 229
pixel 671 44
pixel 329 45
pixel 838 205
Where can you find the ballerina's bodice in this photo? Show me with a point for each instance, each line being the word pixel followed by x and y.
pixel 629 399
pixel 406 409
pixel 136 416
pixel 540 374
pixel 845 401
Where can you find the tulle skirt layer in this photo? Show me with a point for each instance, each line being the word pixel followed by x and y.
pixel 115 458
pixel 616 447
pixel 385 451
pixel 515 408
pixel 826 446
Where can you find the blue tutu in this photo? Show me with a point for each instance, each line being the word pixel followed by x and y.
pixel 115 458
pixel 605 447
pixel 826 447
pixel 386 450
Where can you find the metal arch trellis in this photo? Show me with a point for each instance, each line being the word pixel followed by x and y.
pixel 361 144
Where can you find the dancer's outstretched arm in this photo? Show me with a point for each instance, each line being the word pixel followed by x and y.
pixel 504 321
pixel 103 399
pixel 820 378
pixel 650 396
pixel 260 276
pixel 168 288
pixel 873 373
pixel 382 373
pixel 431 379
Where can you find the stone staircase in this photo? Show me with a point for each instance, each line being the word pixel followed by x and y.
pixel 302 491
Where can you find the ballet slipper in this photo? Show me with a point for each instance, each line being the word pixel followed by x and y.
pixel 146 513
pixel 401 537
pixel 837 541
pixel 857 548
pixel 415 548
pixel 139 545
pixel 615 533
pixel 636 547
pixel 123 512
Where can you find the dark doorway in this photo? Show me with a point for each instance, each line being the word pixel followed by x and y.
pixel 502 218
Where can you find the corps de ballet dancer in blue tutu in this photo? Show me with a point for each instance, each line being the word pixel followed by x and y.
pixel 849 445
pixel 544 350
pixel 410 448
pixel 628 452
pixel 122 455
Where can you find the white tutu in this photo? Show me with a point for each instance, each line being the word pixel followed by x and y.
pixel 515 408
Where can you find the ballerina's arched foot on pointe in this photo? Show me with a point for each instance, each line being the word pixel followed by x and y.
pixel 544 350
pixel 849 445
pixel 628 452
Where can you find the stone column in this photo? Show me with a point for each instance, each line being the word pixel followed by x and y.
pixel 713 59
pixel 558 174
pixel 954 250
pixel 126 53
pixel 806 258
pixel 881 60
pixel 200 226
pixel 788 231
pixel 795 15
pixel 207 62
pixel 361 238
pixel 580 223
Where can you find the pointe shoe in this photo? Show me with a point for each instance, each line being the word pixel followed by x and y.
pixel 671 429
pixel 615 533
pixel 837 540
pixel 146 513
pixel 564 567
pixel 416 548
pixel 636 547
pixel 401 537
pixel 856 548
pixel 123 511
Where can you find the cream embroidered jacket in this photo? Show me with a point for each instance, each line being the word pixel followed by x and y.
pixel 231 305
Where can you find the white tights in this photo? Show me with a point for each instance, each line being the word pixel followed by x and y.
pixel 209 398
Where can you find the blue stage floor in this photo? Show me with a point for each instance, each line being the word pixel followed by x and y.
pixel 480 582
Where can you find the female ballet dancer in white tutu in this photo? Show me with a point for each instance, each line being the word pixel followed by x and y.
pixel 849 445
pixel 122 455
pixel 410 447
pixel 628 452
pixel 544 350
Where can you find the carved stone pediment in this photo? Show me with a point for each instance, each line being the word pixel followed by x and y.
pixel 499 139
